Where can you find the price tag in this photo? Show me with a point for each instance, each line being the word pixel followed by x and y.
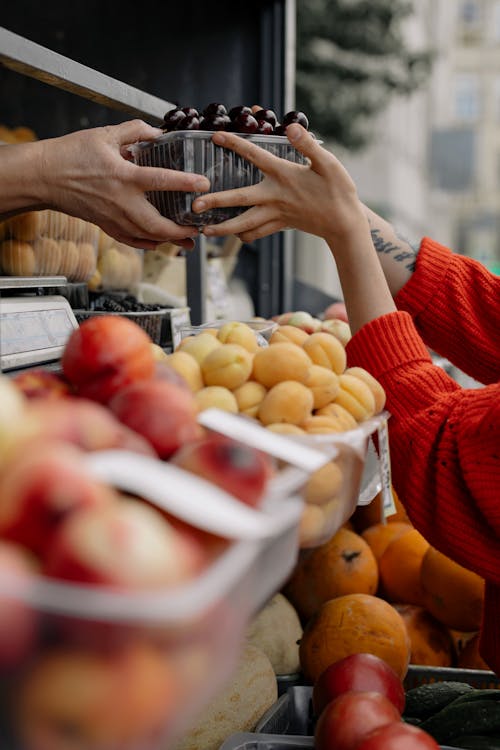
pixel 388 506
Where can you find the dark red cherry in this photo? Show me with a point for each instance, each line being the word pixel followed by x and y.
pixel 240 110
pixel 214 109
pixel 280 130
pixel 264 127
pixel 245 123
pixel 294 116
pixel 190 123
pixel 174 118
pixel 190 112
pixel 266 114
pixel 220 122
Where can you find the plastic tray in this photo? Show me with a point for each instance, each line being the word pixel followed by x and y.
pixel 249 741
pixel 193 630
pixel 194 151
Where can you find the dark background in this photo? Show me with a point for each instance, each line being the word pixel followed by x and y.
pixel 189 52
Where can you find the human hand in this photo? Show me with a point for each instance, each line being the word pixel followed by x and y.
pixel 319 197
pixel 88 174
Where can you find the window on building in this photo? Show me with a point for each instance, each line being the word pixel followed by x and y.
pixel 467 99
pixel 470 20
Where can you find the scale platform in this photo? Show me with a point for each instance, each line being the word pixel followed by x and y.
pixel 33 329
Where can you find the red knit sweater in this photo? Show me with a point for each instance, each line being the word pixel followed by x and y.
pixel 445 440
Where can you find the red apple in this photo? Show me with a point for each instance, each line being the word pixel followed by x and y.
pixel 41 486
pixel 163 413
pixel 397 736
pixel 239 469
pixel 127 544
pixel 365 672
pixel 336 311
pixel 39 383
pixel 345 721
pixel 18 620
pixel 84 423
pixel 105 354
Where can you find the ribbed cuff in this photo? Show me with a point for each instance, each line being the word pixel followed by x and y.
pixel 433 263
pixel 386 343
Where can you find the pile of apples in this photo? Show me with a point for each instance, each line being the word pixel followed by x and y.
pixel 72 679
pixel 357 704
pixel 298 385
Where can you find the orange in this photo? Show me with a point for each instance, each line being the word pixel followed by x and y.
pixel 470 658
pixel 431 641
pixel 352 624
pixel 380 535
pixel 343 565
pixel 452 593
pixel 399 568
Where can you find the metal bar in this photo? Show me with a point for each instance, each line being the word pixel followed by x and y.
pixel 196 276
pixel 26 57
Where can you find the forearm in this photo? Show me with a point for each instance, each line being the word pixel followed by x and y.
pixel 20 186
pixel 364 286
pixel 397 256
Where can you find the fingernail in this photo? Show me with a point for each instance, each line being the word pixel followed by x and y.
pixel 292 133
pixel 200 185
pixel 220 137
pixel 200 205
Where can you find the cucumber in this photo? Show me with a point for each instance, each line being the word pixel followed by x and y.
pixel 478 742
pixel 426 700
pixel 457 720
pixel 479 695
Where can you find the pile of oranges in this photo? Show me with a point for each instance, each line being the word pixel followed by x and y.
pixel 380 587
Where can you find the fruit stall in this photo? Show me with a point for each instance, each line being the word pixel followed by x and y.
pixel 200 545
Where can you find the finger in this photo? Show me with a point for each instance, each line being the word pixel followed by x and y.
pixel 248 150
pixel 156 178
pixel 245 222
pixel 135 130
pixel 320 159
pixel 246 196
pixel 262 231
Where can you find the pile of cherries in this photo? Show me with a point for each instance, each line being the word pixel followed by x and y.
pixel 239 119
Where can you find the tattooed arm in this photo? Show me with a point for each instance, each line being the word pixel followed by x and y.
pixel 396 255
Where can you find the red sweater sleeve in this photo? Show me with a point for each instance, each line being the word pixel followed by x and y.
pixel 445 443
pixel 455 304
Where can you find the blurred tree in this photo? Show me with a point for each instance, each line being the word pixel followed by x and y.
pixel 351 58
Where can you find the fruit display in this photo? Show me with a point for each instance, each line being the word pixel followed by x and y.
pixel 118 267
pixel 115 607
pixel 187 145
pixel 297 385
pixel 48 243
pixel 238 119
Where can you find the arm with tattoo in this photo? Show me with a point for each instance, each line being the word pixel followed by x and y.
pixel 396 255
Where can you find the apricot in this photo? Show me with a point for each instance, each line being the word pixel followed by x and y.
pixel 280 362
pixel 159 354
pixel 284 334
pixel 17 258
pixel 187 366
pixel 249 397
pixel 217 397
pixel 75 228
pixel 324 385
pixel 48 255
pixel 355 396
pixel 199 346
pixel 284 428
pixel 288 401
pixel 343 418
pixel 238 333
pixel 311 526
pixel 326 350
pixel 69 258
pixel 338 328
pixel 229 365
pixel 323 484
pixel 372 383
pixel 87 261
pixel 318 424
pixel 26 227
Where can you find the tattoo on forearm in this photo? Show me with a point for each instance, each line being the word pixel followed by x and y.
pixel 406 255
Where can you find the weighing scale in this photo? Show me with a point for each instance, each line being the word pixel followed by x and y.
pixel 34 326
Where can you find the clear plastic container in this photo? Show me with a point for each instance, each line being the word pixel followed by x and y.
pixel 164 653
pixel 194 151
pixel 263 329
pixel 332 493
pixel 48 243
pixel 119 267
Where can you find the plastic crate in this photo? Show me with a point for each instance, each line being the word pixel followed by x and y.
pixel 156 323
pixel 291 714
pixel 477 678
pixel 250 741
